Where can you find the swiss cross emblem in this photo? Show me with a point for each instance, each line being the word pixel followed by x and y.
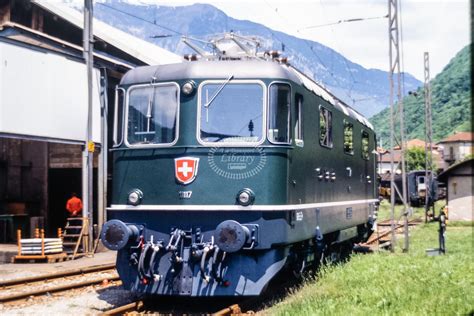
pixel 185 169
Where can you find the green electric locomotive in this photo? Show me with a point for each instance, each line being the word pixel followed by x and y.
pixel 229 170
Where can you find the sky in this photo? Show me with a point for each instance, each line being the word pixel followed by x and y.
pixel 440 27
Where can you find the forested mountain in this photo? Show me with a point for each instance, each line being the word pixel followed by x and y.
pixel 365 89
pixel 451 103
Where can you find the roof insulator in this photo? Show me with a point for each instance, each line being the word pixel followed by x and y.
pixel 272 53
pixel 191 57
pixel 282 60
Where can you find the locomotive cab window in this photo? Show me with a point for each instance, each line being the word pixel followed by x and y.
pixel 348 138
pixel 299 121
pixel 279 115
pixel 231 112
pixel 152 115
pixel 325 127
pixel 118 116
pixel 365 145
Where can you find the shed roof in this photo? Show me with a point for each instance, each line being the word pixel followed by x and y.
pixel 456 167
pixel 22 34
pixel 142 50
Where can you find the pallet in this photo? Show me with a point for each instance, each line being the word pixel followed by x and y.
pixel 59 257
pixel 42 256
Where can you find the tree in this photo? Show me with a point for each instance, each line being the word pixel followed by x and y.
pixel 415 159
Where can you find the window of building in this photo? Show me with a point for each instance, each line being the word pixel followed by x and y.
pixel 325 127
pixel 365 145
pixel 279 115
pixel 348 138
pixel 299 121
pixel 152 114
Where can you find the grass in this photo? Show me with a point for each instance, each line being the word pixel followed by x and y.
pixel 394 284
pixel 384 210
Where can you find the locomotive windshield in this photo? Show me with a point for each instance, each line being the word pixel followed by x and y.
pixel 231 113
pixel 152 114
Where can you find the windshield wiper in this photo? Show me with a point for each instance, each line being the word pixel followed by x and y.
pixel 218 91
pixel 219 136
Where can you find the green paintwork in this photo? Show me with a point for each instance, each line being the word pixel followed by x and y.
pixel 288 176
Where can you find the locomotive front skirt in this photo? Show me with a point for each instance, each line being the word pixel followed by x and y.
pixel 226 173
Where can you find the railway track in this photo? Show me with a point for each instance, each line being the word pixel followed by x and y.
pixel 242 307
pixel 18 289
pixel 277 289
pixel 142 307
pixel 136 306
pixel 381 238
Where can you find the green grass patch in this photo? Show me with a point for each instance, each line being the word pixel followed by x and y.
pixel 394 284
pixel 461 223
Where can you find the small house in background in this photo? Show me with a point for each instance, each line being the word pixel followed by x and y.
pixel 456 147
pixel 384 156
pixel 459 194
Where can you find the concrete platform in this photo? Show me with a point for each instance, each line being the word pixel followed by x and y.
pixel 19 270
pixel 7 252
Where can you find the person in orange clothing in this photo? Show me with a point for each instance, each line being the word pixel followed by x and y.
pixel 74 205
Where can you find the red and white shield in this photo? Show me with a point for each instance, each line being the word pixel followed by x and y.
pixel 185 169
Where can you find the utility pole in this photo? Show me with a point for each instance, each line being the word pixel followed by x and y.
pixel 88 154
pixel 428 138
pixel 394 57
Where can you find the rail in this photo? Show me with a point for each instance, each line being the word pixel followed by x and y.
pixel 136 306
pixel 47 277
pixel 18 286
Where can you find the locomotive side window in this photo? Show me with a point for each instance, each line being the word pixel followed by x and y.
pixel 348 138
pixel 279 116
pixel 152 114
pixel 365 145
pixel 231 113
pixel 325 127
pixel 118 116
pixel 299 121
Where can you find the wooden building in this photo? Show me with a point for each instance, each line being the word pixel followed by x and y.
pixel 43 108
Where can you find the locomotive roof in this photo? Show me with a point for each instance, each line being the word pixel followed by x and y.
pixel 245 69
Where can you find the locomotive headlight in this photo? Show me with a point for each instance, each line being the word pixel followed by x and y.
pixel 135 197
pixel 188 87
pixel 245 197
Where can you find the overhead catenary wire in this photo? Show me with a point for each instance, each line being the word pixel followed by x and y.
pixel 344 60
pixel 310 46
pixel 337 82
pixel 276 11
pixel 344 21
pixel 141 18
